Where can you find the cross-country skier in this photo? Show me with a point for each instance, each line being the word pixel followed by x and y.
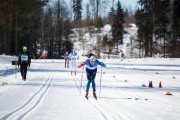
pixel 91 70
pixel 24 61
pixel 66 58
pixel 73 56
pixel 43 55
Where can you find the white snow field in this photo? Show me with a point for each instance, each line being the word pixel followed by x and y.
pixel 52 93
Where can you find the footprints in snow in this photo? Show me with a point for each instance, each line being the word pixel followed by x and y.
pixel 138 99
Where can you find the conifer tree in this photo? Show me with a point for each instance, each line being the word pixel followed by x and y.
pixel 15 22
pixel 147 24
pixel 111 15
pixel 176 28
pixel 141 29
pixel 77 9
pixel 152 21
pixel 117 27
pixel 161 20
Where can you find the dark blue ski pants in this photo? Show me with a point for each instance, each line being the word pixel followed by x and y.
pixel 91 79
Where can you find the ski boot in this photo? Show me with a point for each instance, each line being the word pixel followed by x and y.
pixel 94 95
pixel 86 96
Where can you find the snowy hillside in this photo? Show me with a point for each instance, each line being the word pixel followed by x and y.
pixel 52 93
pixel 85 39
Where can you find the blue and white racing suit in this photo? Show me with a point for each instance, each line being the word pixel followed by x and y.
pixel 91 71
pixel 73 57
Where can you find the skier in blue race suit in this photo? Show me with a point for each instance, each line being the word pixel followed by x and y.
pixel 91 70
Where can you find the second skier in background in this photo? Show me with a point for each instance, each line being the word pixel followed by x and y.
pixel 73 56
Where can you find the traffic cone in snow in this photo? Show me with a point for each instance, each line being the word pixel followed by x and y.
pixel 150 84
pixel 160 85
pixel 168 93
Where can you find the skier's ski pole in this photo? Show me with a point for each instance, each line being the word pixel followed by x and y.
pixel 100 81
pixel 81 78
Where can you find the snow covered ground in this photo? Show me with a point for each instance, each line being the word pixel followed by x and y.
pixel 51 93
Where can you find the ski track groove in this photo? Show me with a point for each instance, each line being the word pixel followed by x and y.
pixel 102 112
pixel 124 116
pixel 113 108
pixel 122 93
pixel 142 98
pixel 152 101
pixel 23 110
pixel 128 96
pixel 31 103
pixel 100 105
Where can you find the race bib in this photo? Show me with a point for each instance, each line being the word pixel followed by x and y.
pixel 73 58
pixel 24 58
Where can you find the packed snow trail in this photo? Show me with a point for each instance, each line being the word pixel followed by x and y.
pixel 51 92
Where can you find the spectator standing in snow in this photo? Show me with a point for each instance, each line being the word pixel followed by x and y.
pixel 73 56
pixel 66 58
pixel 24 61
pixel 122 55
pixel 91 70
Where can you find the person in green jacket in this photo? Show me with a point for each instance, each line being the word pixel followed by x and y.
pixel 24 61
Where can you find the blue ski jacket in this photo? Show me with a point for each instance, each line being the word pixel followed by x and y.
pixel 93 68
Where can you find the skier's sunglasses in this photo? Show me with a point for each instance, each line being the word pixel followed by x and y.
pixel 92 61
